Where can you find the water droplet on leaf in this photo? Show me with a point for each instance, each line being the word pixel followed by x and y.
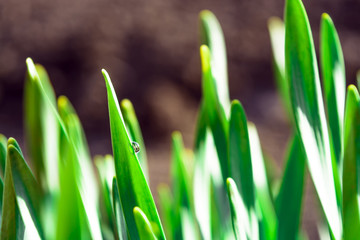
pixel 135 146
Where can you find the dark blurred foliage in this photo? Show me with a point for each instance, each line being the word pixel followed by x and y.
pixel 150 48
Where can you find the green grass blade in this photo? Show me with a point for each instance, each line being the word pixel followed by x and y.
pixel 68 161
pixel 106 172
pixel 143 225
pixel 188 225
pixel 290 198
pixel 213 37
pixel 308 110
pixel 262 191
pixel 244 222
pixel 240 157
pixel 333 72
pixel 121 232
pixel 3 144
pixel 132 125
pixel 166 210
pixel 133 188
pixel 41 129
pixel 351 176
pixel 215 114
pixel 26 189
pixel 358 79
pixel 12 225
pixel 277 36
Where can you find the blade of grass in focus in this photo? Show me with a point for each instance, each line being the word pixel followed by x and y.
pixel 132 125
pixel 41 129
pixel 333 73
pixel 132 193
pixel 289 200
pixel 212 36
pixel 308 110
pixel 351 176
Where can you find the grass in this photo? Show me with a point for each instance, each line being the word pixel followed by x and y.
pixel 220 188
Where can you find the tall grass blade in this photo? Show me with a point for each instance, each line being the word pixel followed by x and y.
pixel 166 210
pixel 308 110
pixel 132 125
pixel 133 188
pixel 41 129
pixel 240 155
pixel 212 36
pixel 262 191
pixel 333 72
pixel 215 115
pixel 290 197
pixel 351 175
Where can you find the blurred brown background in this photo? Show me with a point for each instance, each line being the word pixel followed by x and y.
pixel 150 49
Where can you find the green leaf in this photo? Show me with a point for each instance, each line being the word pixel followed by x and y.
pixel 277 36
pixel 215 115
pixel 290 198
pixel 41 128
pixel 26 188
pixel 213 37
pixel 3 144
pixel 240 156
pixel 132 125
pixel 13 227
pixel 166 210
pixel 244 222
pixel 308 110
pixel 358 79
pixel 133 188
pixel 68 162
pixel 121 232
pixel 143 225
pixel 351 175
pixel 106 171
pixel 333 72
pixel 262 191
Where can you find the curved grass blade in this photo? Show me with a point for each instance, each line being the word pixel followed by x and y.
pixel 26 189
pixel 3 144
pixel 215 114
pixel 132 125
pixel 244 221
pixel 120 229
pixel 240 156
pixel 212 36
pixel 333 72
pixel 290 198
pixel 351 176
pixel 277 36
pixel 308 110
pixel 262 191
pixel 41 128
pixel 143 225
pixel 133 188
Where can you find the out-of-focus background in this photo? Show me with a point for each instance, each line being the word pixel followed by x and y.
pixel 151 50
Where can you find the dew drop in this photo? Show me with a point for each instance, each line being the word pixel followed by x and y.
pixel 135 146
